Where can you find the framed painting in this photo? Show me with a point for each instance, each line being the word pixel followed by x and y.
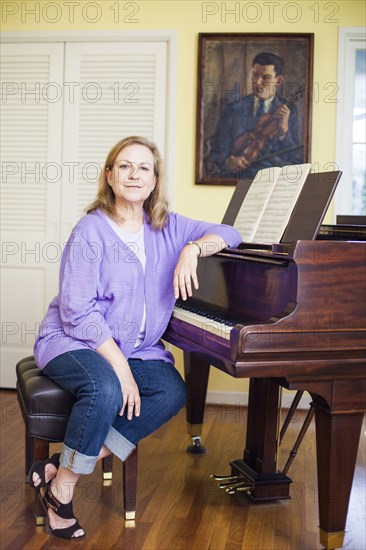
pixel 253 104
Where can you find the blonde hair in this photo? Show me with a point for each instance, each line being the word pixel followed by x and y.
pixel 155 206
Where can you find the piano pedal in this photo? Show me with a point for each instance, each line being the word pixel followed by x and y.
pixel 225 478
pixel 196 448
pixel 233 487
pixel 247 488
pixel 233 484
pixel 228 485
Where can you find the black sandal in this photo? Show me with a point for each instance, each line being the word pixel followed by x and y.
pixel 39 467
pixel 65 511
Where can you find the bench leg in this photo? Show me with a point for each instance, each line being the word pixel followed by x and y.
pixel 29 453
pixel 107 466
pixel 130 485
pixel 39 451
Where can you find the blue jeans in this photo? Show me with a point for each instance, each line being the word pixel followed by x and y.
pixel 94 419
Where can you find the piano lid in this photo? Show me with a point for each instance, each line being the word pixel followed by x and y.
pixel 240 288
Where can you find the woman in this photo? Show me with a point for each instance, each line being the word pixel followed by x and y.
pixel 122 269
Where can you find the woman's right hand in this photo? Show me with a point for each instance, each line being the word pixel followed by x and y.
pixel 130 393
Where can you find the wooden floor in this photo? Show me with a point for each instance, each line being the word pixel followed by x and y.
pixel 179 506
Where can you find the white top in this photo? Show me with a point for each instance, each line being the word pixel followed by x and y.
pixel 266 105
pixel 136 242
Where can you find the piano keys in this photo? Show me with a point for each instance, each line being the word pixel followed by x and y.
pixel 197 318
pixel 290 315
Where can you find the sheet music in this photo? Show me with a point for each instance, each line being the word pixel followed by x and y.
pixel 279 207
pixel 269 202
pixel 255 202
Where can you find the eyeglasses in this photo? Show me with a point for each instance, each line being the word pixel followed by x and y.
pixel 128 167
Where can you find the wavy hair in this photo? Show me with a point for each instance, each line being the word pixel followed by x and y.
pixel 155 206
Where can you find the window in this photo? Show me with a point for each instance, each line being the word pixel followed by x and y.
pixel 359 136
pixel 350 198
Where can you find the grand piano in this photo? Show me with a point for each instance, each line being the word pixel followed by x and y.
pixel 284 315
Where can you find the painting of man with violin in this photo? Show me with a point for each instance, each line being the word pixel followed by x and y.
pixel 258 129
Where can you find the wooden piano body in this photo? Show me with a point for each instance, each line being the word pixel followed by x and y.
pixel 290 315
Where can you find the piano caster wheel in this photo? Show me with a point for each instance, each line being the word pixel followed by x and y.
pixel 196 448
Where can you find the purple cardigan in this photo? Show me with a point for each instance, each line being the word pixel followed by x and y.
pixel 102 288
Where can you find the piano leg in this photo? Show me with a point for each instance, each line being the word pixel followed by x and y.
pixel 196 372
pixel 259 463
pixel 337 440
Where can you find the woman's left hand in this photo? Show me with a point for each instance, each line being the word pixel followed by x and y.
pixel 185 272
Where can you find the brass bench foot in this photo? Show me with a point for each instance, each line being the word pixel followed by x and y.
pixel 40 520
pixel 330 541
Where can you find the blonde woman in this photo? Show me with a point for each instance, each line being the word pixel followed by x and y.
pixel 122 269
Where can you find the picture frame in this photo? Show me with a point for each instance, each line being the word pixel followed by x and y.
pixel 242 128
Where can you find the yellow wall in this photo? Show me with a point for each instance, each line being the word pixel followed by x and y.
pixel 188 18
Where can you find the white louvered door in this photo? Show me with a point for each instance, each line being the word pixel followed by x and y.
pixel 31 137
pixel 119 90
pixel 65 105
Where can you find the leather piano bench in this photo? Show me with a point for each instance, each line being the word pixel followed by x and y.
pixel 46 408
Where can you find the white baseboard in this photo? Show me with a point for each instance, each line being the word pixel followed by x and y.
pixel 241 399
